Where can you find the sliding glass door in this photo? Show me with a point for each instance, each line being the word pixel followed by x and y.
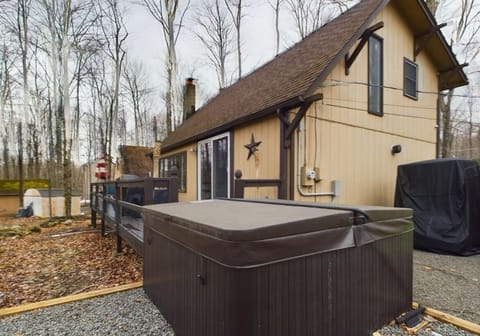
pixel 214 167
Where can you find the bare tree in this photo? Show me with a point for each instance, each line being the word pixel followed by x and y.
pixel 309 15
pixel 470 127
pixel 464 39
pixel 115 34
pixel 63 19
pixel 276 4
pixel 20 162
pixel 15 16
pixel 139 96
pixel 101 93
pixel 33 151
pixel 235 8
pixel 86 41
pixel 23 14
pixel 447 129
pixel 5 96
pixel 6 157
pixel 216 34
pixel 170 16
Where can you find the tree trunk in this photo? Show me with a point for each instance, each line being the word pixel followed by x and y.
pixel 277 27
pixel 20 163
pixel 447 131
pixel 6 158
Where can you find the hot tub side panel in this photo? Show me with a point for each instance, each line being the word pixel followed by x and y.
pixel 196 295
pixel 351 291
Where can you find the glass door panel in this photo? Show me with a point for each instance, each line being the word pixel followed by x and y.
pixel 214 167
pixel 220 168
pixel 205 171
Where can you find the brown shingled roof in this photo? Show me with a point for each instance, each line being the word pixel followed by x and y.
pixel 290 76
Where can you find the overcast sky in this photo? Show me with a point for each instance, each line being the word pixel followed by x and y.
pixel 145 42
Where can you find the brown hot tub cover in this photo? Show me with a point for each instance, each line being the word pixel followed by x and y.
pixel 249 233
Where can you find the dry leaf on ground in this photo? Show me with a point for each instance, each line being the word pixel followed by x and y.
pixel 43 265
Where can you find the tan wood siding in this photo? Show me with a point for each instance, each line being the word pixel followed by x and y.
pixel 352 146
pixel 266 162
pixel 261 192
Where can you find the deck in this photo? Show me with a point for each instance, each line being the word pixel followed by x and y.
pixel 118 206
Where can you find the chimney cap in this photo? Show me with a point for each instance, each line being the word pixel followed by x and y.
pixel 189 79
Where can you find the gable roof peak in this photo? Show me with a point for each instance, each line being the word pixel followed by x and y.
pixel 292 75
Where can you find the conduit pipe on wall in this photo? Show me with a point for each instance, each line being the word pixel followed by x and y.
pixel 335 184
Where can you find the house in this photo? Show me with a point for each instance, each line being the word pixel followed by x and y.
pixel 328 120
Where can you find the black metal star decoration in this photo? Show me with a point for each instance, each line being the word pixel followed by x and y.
pixel 252 147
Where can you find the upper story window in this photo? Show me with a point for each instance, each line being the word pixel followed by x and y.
pixel 179 160
pixel 375 75
pixel 410 79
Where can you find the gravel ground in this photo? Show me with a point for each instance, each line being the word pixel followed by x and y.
pixel 125 313
pixel 450 284
pixel 447 283
pixel 433 329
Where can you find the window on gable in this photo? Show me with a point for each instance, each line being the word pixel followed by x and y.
pixel 375 75
pixel 410 79
pixel 166 165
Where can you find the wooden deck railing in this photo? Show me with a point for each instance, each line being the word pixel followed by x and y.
pixel 110 201
pixel 241 184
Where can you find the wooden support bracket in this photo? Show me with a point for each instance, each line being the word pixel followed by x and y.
pixel 444 74
pixel 282 117
pixel 363 40
pixel 424 37
pixel 300 114
pixel 454 68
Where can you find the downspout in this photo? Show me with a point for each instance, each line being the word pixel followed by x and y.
pixel 335 184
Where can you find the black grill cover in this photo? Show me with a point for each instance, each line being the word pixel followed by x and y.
pixel 445 197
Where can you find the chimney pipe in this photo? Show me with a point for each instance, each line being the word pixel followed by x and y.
pixel 188 98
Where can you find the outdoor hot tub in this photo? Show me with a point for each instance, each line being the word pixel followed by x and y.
pixel 246 268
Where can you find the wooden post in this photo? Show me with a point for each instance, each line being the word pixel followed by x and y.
pixel 173 186
pixel 238 192
pixel 147 191
pixel 118 217
pixel 93 205
pixel 103 194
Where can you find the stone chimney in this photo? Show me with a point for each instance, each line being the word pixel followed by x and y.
pixel 188 98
